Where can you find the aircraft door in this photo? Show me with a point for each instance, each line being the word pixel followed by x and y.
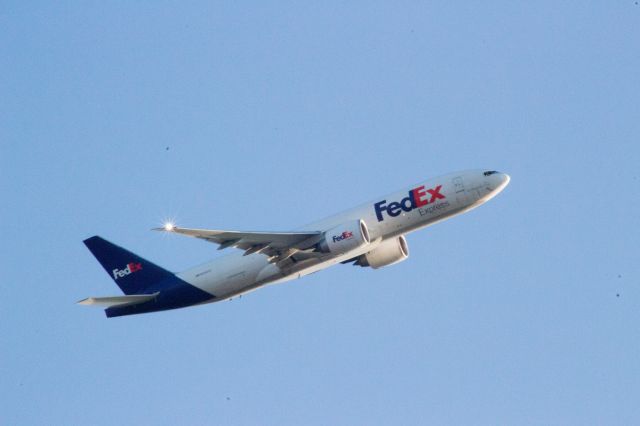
pixel 460 192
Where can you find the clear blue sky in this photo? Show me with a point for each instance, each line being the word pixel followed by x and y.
pixel 276 114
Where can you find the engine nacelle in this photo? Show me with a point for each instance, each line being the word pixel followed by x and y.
pixel 387 253
pixel 344 238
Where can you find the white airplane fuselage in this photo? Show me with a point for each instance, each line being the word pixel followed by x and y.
pixel 387 217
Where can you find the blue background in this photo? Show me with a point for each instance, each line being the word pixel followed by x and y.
pixel 116 116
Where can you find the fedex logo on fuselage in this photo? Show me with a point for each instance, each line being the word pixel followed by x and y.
pixel 418 197
pixel 130 268
pixel 344 236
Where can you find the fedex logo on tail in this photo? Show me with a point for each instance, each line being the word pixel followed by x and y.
pixel 130 268
pixel 417 197
pixel 344 236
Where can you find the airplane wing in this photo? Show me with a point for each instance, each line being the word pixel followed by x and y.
pixel 279 245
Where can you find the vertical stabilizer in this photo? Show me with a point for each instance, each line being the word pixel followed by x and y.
pixel 132 273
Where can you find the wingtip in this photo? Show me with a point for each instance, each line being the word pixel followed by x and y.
pixel 167 227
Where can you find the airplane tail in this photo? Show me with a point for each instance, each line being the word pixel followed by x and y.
pixel 133 274
pixel 147 287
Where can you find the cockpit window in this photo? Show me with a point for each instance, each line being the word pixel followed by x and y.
pixel 490 172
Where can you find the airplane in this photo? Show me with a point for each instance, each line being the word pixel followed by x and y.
pixel 370 235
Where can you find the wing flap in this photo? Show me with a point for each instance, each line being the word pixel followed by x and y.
pixel 132 299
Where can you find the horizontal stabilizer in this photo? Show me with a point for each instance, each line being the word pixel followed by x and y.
pixel 132 299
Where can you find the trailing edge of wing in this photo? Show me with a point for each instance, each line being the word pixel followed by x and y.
pixel 269 243
pixel 132 299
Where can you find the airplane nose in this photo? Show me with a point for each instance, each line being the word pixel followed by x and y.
pixel 496 181
pixel 500 181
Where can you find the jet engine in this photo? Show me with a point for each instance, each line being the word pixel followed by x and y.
pixel 344 238
pixel 387 253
